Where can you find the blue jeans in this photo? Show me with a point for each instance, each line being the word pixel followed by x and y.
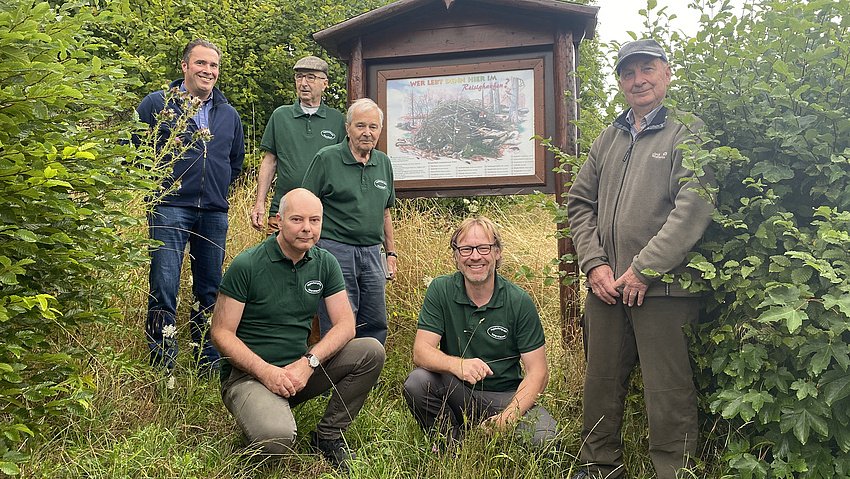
pixel 206 232
pixel 365 284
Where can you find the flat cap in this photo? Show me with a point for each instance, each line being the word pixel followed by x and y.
pixel 312 63
pixel 639 47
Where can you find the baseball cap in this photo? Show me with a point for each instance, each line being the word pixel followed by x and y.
pixel 312 63
pixel 640 47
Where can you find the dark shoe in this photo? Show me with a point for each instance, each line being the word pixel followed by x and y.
pixel 334 451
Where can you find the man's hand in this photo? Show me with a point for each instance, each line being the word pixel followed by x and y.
pixel 602 283
pixel 288 380
pixel 499 422
pixel 257 215
pixel 392 266
pixel 473 370
pixel 633 288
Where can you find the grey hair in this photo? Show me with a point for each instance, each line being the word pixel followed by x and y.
pixel 363 104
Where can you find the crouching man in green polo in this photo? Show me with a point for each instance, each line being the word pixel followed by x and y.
pixel 476 331
pixel 262 319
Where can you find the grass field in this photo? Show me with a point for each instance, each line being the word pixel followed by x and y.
pixel 137 427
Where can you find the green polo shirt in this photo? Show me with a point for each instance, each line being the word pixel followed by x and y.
pixel 294 137
pixel 354 195
pixel 497 332
pixel 280 298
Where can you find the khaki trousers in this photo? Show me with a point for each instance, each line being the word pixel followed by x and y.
pixel 266 419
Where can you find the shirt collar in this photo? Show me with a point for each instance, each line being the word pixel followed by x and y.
pixel 298 111
pixel 275 254
pixel 644 122
pixel 460 296
pixel 349 158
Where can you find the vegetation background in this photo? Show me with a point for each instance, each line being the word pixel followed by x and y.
pixel 77 400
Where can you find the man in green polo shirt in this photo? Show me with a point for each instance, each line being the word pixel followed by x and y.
pixel 476 331
pixel 260 325
pixel 293 136
pixel 355 183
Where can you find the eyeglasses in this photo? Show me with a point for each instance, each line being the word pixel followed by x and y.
pixel 483 249
pixel 308 76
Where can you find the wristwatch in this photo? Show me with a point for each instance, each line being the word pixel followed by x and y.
pixel 313 361
pixel 392 253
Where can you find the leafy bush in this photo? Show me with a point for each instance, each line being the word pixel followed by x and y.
pixel 774 351
pixel 64 185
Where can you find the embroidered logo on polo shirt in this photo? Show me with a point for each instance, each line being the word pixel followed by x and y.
pixel 380 184
pixel 659 156
pixel 498 332
pixel 314 287
pixel 329 135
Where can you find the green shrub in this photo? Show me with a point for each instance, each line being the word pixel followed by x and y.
pixel 774 350
pixel 64 185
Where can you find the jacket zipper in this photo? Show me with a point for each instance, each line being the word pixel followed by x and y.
pixel 626 158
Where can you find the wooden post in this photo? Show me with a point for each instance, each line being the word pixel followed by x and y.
pixel 356 67
pixel 566 138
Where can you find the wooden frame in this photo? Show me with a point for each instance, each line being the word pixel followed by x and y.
pixel 467 161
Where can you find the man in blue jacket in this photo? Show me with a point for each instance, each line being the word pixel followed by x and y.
pixel 193 204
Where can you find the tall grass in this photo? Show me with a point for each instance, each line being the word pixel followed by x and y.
pixel 136 426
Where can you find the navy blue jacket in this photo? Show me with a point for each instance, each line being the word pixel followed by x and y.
pixel 203 175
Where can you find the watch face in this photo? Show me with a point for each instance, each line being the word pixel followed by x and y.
pixel 312 360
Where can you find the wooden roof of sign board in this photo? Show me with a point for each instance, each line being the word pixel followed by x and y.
pixel 421 27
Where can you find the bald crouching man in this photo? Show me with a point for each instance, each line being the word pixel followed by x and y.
pixel 262 319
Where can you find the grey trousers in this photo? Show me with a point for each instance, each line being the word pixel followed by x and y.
pixel 443 403
pixel 615 337
pixel 266 419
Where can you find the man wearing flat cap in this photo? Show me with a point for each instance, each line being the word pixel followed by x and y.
pixel 635 212
pixel 293 136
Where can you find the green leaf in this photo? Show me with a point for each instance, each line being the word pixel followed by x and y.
pixel 26 235
pixel 772 172
pixel 802 422
pixel 793 317
pixel 837 390
pixel 10 468
pixel 842 302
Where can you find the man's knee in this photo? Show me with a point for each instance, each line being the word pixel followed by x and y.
pixel 270 439
pixel 370 351
pixel 418 385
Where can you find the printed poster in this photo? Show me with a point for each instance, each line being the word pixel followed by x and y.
pixel 461 126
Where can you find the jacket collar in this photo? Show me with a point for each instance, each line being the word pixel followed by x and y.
pixel 657 123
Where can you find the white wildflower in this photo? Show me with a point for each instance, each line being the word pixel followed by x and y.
pixel 426 280
pixel 169 383
pixel 169 331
